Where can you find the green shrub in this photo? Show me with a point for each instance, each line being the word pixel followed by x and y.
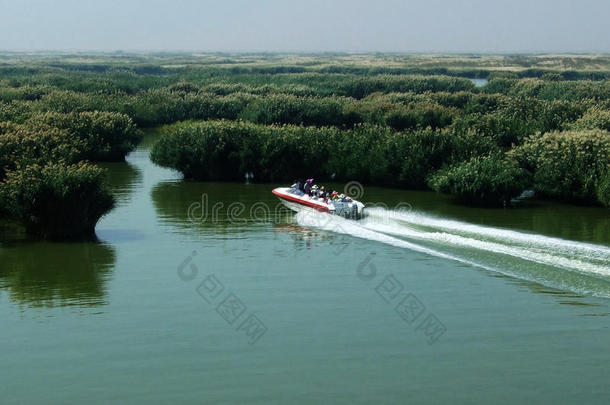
pixel 508 125
pixel 559 114
pixel 411 156
pixel 485 103
pixel 360 87
pixel 505 131
pixel 30 93
pixel 519 118
pixel 372 109
pixel 561 90
pixel 57 200
pixel 6 127
pixel 16 111
pixel 551 77
pixel 358 154
pixel 482 180
pixel 458 100
pixel 225 150
pixel 24 146
pixel 183 87
pixel 165 106
pixel 108 136
pixel 419 115
pixel 594 118
pixel 567 165
pixel 290 109
pixel 212 150
pixel 64 101
pixel 500 85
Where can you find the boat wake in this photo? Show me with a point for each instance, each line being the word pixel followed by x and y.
pixel 558 263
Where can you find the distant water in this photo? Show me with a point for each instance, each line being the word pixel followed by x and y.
pixel 479 82
pixel 424 301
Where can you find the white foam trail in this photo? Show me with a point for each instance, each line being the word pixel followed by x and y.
pixel 577 257
pixel 535 255
pixel 538 242
pixel 349 227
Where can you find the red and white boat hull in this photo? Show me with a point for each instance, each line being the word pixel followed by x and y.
pixel 295 202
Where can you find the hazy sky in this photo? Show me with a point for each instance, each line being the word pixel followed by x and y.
pixel 307 25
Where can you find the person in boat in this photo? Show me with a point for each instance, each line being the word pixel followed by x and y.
pixel 334 196
pixel 307 186
pixel 315 192
pixel 297 187
pixel 322 193
pixel 327 195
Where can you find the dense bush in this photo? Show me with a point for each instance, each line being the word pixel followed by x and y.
pixel 57 200
pixel 350 85
pixel 226 150
pixel 518 118
pixel 107 136
pixel 560 90
pixel 359 154
pixel 22 146
pixel 67 101
pixel 16 111
pixel 568 165
pixel 419 115
pixel 42 182
pixel 164 106
pixel 363 86
pixel 413 155
pixel 501 85
pixel 595 118
pixel 290 109
pixel 483 180
pixel 28 93
pixel 399 111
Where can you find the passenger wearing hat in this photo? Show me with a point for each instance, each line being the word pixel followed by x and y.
pixel 307 188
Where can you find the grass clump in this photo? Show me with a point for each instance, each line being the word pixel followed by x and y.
pixel 570 165
pixel 488 180
pixel 57 200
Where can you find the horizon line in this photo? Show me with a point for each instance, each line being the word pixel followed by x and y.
pixel 301 52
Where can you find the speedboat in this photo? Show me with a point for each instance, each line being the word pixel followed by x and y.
pixel 296 200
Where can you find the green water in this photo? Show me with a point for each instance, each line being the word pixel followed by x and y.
pixel 436 303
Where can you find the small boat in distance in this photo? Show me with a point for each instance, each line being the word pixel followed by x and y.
pixel 296 200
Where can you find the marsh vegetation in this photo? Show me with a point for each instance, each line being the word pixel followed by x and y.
pixel 417 121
